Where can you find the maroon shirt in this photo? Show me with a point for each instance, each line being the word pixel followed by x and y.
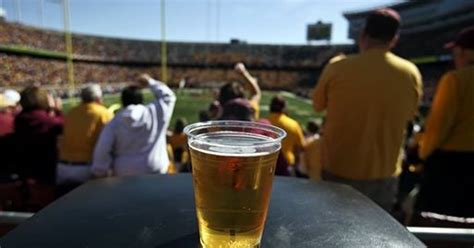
pixel 36 134
pixel 6 123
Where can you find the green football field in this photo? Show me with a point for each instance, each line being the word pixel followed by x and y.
pixel 191 101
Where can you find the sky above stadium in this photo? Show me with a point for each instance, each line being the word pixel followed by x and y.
pixel 254 21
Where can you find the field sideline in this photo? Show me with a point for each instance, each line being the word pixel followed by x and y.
pixel 191 101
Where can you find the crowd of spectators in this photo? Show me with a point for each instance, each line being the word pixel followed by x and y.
pixel 46 153
pixel 179 53
pixel 19 71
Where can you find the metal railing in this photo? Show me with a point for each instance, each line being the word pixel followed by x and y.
pixel 14 218
pixel 464 235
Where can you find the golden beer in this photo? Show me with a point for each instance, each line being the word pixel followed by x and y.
pixel 233 178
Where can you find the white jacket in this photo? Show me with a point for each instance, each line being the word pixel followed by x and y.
pixel 134 142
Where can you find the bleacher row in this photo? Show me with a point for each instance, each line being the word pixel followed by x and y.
pixel 125 50
pixel 426 43
pixel 19 71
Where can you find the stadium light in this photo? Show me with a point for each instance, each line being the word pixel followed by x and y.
pixel 68 38
pixel 2 13
pixel 40 10
pixel 68 41
pixel 18 10
pixel 164 59
pixel 218 21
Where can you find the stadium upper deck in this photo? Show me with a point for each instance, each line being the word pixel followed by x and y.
pixel 426 26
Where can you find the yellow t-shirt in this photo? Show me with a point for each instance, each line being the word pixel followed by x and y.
pixel 312 157
pixel 82 127
pixel 450 124
pixel 256 107
pixel 171 167
pixel 180 141
pixel 294 135
pixel 369 99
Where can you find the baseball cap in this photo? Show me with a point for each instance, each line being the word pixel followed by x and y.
pixel 464 39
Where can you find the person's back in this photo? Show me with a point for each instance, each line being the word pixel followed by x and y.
pixel 369 98
pixel 463 130
pixel 36 132
pixel 294 133
pixel 82 127
pixel 456 132
pixel 447 145
pixel 373 95
pixel 134 142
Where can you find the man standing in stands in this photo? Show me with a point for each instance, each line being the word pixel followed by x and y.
pixel 294 139
pixel 447 145
pixel 312 151
pixel 134 142
pixel 369 98
pixel 82 127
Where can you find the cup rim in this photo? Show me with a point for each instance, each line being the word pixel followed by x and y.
pixel 280 133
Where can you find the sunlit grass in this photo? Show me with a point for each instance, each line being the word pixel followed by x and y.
pixel 190 102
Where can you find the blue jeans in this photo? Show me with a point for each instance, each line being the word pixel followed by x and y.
pixel 381 191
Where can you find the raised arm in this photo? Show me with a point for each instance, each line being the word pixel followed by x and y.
pixel 251 83
pixel 159 89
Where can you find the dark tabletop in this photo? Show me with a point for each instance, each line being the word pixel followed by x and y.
pixel 158 211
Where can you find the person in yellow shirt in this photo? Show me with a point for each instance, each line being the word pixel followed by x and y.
pixel 369 98
pixel 294 139
pixel 447 145
pixel 178 142
pixel 82 127
pixel 312 152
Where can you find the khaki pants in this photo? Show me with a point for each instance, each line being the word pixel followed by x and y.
pixel 381 191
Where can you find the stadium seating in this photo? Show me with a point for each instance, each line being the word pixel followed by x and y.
pixel 101 59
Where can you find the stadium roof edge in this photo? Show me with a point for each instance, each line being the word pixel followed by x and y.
pixel 397 6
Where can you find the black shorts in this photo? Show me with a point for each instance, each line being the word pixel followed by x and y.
pixel 447 184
